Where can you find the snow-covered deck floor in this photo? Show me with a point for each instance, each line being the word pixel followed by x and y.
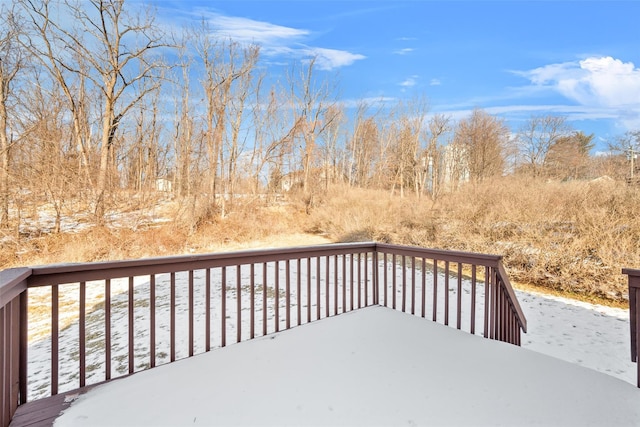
pixel 374 366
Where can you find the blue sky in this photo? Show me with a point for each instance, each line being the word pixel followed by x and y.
pixel 515 59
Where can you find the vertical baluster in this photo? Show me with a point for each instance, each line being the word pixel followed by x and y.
pixel 238 303
pixel 14 353
pixel 636 309
pixel 24 343
pixel 487 300
pixel 366 279
pixel 54 339
pixel 424 286
pixel 191 313
pixel 446 292
pixel 494 306
pixel 131 327
pixel 5 370
pixel 473 299
pixel 413 285
pixel 252 327
pixel 344 283
pixel 359 281
pixel 384 279
pixel 5 412
pixel 435 290
pixel 327 296
pixel 351 282
pixel 107 329
pixel 207 310
pixel 152 320
pixel 318 299
pixel 459 314
pixel 335 285
pixel 276 303
pixel 393 281
pixel 288 293
pixel 299 290
pixel 172 308
pixel 376 278
pixel 223 308
pixel 504 311
pixel 308 290
pixel 82 356
pixel 264 298
pixel 404 283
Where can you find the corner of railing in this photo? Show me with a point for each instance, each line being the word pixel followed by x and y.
pixel 13 339
pixel 633 276
pixel 504 277
pixel 13 281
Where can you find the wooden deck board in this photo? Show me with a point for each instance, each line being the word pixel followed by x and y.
pixel 43 412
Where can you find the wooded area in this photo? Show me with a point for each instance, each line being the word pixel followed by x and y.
pixel 99 103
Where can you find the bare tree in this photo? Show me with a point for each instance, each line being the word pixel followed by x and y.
pixel 363 147
pixel 108 47
pixel 482 137
pixel 438 127
pixel 407 149
pixel 627 146
pixel 334 118
pixel 12 62
pixel 537 137
pixel 568 157
pixel 309 99
pixel 224 63
pixel 237 110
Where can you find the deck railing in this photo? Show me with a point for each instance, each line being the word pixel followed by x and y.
pixel 63 327
pixel 634 319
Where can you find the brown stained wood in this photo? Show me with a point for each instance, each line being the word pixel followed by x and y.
pixel 238 303
pixel 298 290
pixel 504 319
pixel 152 320
pixel 43 412
pixel 191 313
pixel 82 334
pixel 131 326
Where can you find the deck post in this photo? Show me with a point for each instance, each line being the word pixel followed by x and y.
pixel 634 307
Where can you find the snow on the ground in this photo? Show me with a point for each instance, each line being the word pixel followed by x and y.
pixel 589 335
pixel 373 366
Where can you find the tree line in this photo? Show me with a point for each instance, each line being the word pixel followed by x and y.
pixel 98 101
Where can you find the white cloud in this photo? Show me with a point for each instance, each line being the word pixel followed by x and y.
pixel 251 31
pixel 404 51
pixel 277 40
pixel 410 81
pixel 435 82
pixel 596 82
pixel 328 59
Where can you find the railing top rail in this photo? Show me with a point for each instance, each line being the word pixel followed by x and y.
pixel 632 272
pixel 12 282
pixel 68 273
pixel 442 255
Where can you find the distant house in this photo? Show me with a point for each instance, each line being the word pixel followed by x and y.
pixel 163 184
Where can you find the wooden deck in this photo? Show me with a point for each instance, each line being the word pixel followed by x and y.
pixel 247 294
pixel 43 412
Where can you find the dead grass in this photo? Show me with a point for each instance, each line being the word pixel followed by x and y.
pixel 571 237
